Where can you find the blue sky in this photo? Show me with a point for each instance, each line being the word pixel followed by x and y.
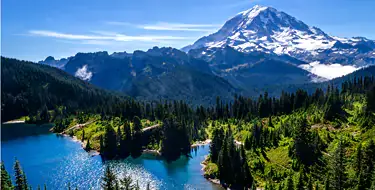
pixel 33 30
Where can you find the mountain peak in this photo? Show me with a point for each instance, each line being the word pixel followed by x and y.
pixel 50 58
pixel 254 10
pixel 267 29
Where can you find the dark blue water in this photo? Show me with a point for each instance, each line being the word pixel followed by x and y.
pixel 56 160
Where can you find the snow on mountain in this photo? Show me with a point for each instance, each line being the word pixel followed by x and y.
pixel 268 30
pixel 265 28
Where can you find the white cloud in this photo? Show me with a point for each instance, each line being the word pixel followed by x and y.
pixel 104 36
pixel 83 73
pixel 165 26
pixel 328 71
pixel 66 36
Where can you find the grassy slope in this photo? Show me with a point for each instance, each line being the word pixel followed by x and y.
pixel 276 159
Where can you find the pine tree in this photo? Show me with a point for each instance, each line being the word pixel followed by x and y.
pixel 6 183
pixel 19 177
pixel 326 184
pixel 83 135
pixel 25 184
pixel 300 184
pixel 317 185
pixel 137 125
pixel 109 179
pixel 136 145
pixel 246 175
pixel 118 136
pixel 223 162
pixel 125 142
pixel 126 182
pixel 270 124
pixel 309 184
pixel 368 163
pixel 338 167
pixel 289 184
pixel 361 183
pixel 109 142
pixel 358 159
pixel 88 145
pixel 373 182
pixel 216 144
pixel 302 149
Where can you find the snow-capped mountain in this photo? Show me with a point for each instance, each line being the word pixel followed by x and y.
pixel 268 30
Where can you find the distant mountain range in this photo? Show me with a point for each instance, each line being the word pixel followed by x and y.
pixel 261 48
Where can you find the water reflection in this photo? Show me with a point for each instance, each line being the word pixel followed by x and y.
pixel 56 160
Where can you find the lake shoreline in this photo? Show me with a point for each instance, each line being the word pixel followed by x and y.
pixel 212 180
pixel 94 152
pixel 14 122
pixel 65 161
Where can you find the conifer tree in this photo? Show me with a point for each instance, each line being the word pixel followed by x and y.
pixel 300 184
pixel 246 175
pixel 109 142
pixel 136 145
pixel 337 166
pixel 125 142
pixel 326 184
pixel 368 163
pixel 88 145
pixel 109 180
pixel 6 182
pixel 358 159
pixel 289 184
pixel 19 177
pixel 310 184
pixel 83 135
pixel 216 143
pixel 126 182
pixel 317 185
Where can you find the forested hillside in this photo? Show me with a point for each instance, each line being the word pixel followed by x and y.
pixel 297 140
pixel 28 89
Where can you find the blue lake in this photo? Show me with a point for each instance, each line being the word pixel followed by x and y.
pixel 55 160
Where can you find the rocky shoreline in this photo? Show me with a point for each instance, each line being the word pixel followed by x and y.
pixel 212 180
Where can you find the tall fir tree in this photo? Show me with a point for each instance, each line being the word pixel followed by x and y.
pixel 337 166
pixel 19 177
pixel 109 181
pixel 6 182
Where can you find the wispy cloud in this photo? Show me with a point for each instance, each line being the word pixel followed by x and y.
pixel 165 26
pixel 103 36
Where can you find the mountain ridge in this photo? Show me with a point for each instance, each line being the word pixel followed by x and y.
pixel 271 31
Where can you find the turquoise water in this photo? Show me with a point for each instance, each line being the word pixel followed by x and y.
pixel 56 160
